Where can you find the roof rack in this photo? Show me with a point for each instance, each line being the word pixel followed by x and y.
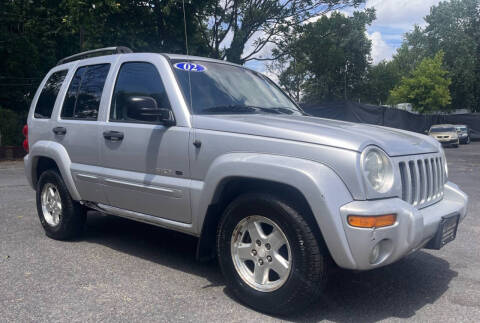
pixel 96 52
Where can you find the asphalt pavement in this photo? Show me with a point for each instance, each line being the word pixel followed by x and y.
pixel 124 271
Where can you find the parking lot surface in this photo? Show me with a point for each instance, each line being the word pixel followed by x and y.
pixel 123 271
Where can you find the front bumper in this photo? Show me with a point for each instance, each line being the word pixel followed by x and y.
pixel 446 142
pixel 463 138
pixel 412 230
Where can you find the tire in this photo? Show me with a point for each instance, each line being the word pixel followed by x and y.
pixel 60 223
pixel 468 140
pixel 308 262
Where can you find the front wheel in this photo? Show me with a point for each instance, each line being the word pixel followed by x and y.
pixel 270 257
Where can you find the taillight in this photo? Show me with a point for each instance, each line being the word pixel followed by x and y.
pixel 25 134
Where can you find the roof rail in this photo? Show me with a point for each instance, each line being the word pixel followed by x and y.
pixel 96 52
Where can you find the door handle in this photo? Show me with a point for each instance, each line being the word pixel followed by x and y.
pixel 113 135
pixel 59 130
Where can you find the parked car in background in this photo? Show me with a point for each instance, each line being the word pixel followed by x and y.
pixel 463 134
pixel 446 134
pixel 218 151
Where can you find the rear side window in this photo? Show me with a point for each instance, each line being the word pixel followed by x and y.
pixel 49 93
pixel 83 97
pixel 137 79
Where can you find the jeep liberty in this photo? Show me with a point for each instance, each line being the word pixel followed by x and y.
pixel 220 152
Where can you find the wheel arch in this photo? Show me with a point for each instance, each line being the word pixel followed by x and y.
pixel 47 155
pixel 304 182
pixel 232 187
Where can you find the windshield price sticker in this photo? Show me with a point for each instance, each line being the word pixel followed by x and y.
pixel 192 67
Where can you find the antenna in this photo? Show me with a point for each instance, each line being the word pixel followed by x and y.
pixel 185 26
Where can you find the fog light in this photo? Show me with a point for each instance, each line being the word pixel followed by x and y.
pixel 376 221
pixel 375 253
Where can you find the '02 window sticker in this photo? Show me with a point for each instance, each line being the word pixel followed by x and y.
pixel 192 67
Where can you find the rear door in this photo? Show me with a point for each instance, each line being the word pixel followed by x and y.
pixel 41 122
pixel 78 129
pixel 145 162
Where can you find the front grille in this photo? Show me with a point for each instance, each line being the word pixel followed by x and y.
pixel 423 178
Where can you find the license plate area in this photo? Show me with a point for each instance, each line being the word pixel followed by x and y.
pixel 447 231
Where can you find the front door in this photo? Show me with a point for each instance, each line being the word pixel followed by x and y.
pixel 145 162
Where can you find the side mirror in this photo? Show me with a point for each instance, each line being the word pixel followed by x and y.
pixel 146 108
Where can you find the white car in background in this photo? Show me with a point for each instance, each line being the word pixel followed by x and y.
pixel 446 134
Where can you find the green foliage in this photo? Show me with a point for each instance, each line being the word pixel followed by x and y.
pixel 329 59
pixel 10 128
pixel 426 88
pixel 259 23
pixel 35 34
pixel 380 79
pixel 453 27
pixel 383 77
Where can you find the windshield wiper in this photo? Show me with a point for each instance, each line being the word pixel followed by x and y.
pixel 238 108
pixel 286 110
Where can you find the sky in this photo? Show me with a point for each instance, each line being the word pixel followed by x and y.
pixel 394 18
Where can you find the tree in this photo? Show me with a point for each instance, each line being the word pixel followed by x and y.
pixel 380 79
pixel 257 23
pixel 452 27
pixel 384 76
pixel 329 58
pixel 35 34
pixel 412 51
pixel 427 87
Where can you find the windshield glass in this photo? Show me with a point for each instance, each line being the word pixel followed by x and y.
pixel 226 89
pixel 442 129
pixel 461 129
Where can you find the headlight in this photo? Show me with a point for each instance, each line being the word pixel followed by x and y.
pixel 377 169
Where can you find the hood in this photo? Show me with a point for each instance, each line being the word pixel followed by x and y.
pixel 341 134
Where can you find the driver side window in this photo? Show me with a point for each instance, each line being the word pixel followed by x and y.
pixel 137 81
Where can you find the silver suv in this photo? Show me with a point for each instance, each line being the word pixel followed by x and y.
pixel 218 151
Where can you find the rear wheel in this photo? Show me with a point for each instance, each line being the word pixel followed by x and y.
pixel 62 218
pixel 269 255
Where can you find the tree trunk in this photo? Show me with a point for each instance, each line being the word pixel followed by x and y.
pixel 234 53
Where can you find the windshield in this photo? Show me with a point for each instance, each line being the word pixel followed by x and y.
pixel 226 89
pixel 442 129
pixel 461 129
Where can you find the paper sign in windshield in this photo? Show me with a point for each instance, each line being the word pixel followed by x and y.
pixel 192 67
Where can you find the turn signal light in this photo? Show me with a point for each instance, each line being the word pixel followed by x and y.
pixel 376 221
